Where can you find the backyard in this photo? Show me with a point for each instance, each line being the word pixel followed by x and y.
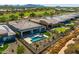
pixel 40 45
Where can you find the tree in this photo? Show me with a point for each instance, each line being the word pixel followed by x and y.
pixel 21 15
pixel 46 13
pixel 77 51
pixel 3 19
pixel 32 14
pixel 12 50
pixel 20 49
pixel 1 13
pixel 72 27
pixel 51 13
pixel 13 17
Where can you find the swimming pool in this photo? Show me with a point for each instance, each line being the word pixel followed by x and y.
pixel 35 39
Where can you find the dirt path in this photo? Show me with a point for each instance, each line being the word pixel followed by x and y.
pixel 65 47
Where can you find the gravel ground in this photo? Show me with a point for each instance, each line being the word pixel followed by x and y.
pixel 13 46
pixel 65 47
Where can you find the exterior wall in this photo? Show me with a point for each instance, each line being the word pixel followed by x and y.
pixel 1 41
pixel 43 29
pixel 7 39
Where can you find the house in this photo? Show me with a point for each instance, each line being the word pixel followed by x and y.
pixel 6 34
pixel 25 28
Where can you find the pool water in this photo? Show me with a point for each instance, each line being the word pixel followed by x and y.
pixel 35 39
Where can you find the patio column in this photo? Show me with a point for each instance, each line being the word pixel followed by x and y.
pixel 40 30
pixel 45 28
pixel 21 34
pixel 32 31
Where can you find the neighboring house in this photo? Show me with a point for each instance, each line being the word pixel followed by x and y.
pixel 6 34
pixel 51 21
pixel 25 28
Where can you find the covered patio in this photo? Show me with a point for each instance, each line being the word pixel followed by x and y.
pixel 33 31
pixel 26 28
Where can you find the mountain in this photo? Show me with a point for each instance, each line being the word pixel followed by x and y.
pixel 33 6
pixel 20 6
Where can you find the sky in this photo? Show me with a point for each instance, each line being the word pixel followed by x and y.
pixel 63 5
pixel 43 2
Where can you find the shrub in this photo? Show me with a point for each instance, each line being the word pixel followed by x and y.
pixel 20 49
pixel 21 15
pixel 3 19
pixel 32 14
pixel 13 17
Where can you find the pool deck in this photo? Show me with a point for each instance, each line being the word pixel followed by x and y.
pixel 28 40
pixel 34 38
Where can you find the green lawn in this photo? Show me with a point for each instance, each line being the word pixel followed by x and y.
pixel 3 48
pixel 61 29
